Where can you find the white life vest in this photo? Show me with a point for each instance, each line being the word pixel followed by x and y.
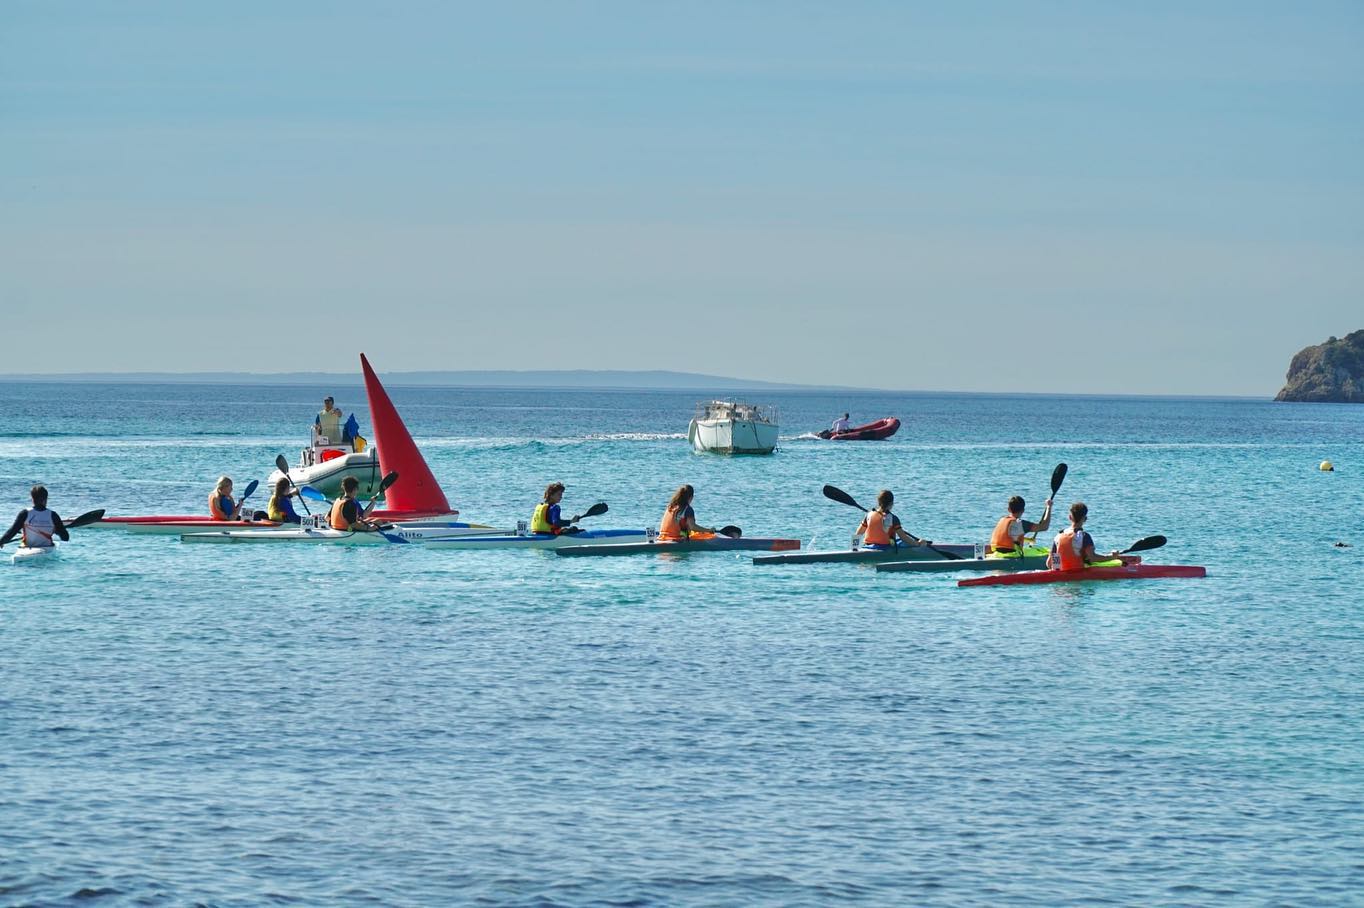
pixel 38 528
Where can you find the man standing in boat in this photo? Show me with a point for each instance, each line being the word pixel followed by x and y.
pixel 328 423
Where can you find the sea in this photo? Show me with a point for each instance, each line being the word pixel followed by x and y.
pixel 393 725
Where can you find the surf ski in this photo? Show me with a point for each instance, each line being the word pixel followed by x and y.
pixel 658 546
pixel 869 556
pixel 1120 572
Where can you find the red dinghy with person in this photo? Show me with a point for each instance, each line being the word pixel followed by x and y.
pixel 872 431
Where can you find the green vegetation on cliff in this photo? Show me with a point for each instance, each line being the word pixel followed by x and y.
pixel 1329 372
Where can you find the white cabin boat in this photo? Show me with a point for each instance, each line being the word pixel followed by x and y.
pixel 733 427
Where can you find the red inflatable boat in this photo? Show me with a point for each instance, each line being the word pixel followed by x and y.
pixel 872 431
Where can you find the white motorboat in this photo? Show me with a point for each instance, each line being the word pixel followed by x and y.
pixel 323 464
pixel 733 427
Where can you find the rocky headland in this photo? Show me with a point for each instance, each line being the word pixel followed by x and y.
pixel 1332 372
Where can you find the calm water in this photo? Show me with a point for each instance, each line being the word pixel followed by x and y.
pixel 329 725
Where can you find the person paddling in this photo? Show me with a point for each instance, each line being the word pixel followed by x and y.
pixel 280 509
pixel 346 513
pixel 37 524
pixel 1073 548
pixel 880 529
pixel 221 506
pixel 679 519
pixel 547 519
pixel 1007 538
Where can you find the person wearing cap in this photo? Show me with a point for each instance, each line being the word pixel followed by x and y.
pixel 327 425
pixel 841 424
pixel 547 519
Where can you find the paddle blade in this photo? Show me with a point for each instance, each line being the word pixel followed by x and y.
pixel 85 519
pixel 311 494
pixel 1058 476
pixel 1145 545
pixel 833 493
pixel 388 480
pixel 250 488
pixel 731 531
pixel 596 510
pixel 281 464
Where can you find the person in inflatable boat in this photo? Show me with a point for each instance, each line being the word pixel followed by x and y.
pixel 327 425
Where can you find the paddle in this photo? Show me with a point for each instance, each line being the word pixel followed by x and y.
pixel 283 466
pixel 1143 545
pixel 596 510
pixel 833 493
pixel 312 494
pixel 250 488
pixel 388 480
pixel 1058 476
pixel 730 530
pixel 85 519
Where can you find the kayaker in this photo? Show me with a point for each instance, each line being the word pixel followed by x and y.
pixel 327 425
pixel 220 503
pixel 1012 528
pixel 280 509
pixel 679 520
pixel 1073 549
pixel 346 513
pixel 840 425
pixel 37 523
pixel 880 529
pixel 547 519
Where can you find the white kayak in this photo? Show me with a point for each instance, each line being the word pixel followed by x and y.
pixel 536 540
pixel 397 533
pixel 34 555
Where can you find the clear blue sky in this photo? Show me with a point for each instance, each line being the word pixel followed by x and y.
pixel 1083 197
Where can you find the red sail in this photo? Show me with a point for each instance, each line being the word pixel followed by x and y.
pixel 416 489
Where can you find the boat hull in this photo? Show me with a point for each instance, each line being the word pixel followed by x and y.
pixel 326 476
pixel 718 544
pixel 732 436
pixel 869 556
pixel 394 535
pixel 872 431
pixel 537 540
pixel 1026 563
pixel 174 525
pixel 35 555
pixel 1124 572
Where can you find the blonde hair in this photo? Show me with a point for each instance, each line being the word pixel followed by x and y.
pixel 223 481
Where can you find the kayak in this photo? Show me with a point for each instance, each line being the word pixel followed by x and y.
pixel 34 555
pixel 1033 558
pixel 716 544
pixel 872 431
pixel 537 540
pixel 1122 572
pixel 401 533
pixel 174 525
pixel 869 556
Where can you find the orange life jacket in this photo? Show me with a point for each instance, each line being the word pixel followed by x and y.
pixel 1068 558
pixel 670 527
pixel 336 519
pixel 1000 540
pixel 875 533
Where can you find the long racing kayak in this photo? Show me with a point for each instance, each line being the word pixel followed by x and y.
pixel 658 547
pixel 869 556
pixel 1122 572
pixel 43 554
pixel 537 540
pixel 175 524
pixel 1033 558
pixel 400 533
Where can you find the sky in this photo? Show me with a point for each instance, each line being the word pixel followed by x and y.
pixel 1087 197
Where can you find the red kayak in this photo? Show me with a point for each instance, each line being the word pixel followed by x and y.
pixel 872 431
pixel 1123 572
